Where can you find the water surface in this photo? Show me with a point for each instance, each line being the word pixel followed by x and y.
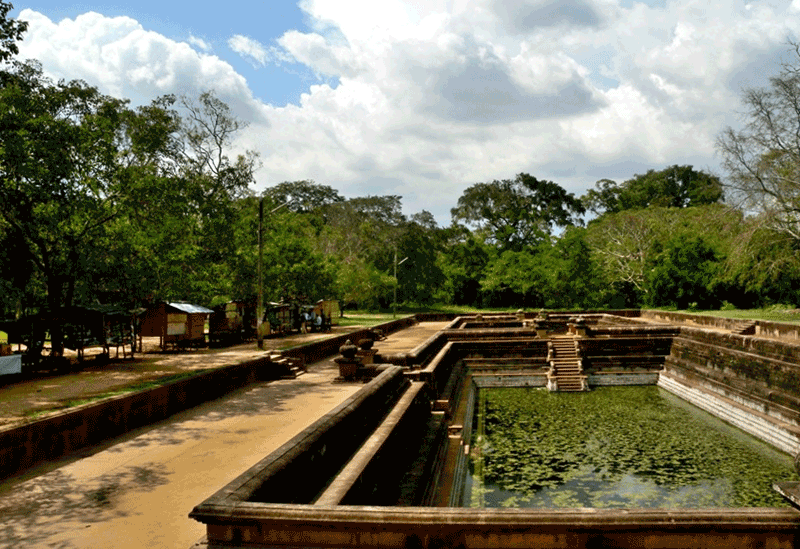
pixel 614 447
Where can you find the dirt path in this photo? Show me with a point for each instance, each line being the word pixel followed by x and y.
pixel 137 490
pixel 27 399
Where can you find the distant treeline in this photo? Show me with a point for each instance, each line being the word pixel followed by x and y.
pixel 104 203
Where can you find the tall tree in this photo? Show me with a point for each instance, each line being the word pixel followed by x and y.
pixel 11 31
pixel 673 187
pixel 67 159
pixel 682 273
pixel 303 196
pixel 362 234
pixel 517 213
pixel 762 159
pixel 419 275
pixel 214 179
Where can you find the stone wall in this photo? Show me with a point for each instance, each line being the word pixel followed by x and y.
pixel 50 437
pixel 323 348
pixel 761 328
pixel 631 349
pixel 751 382
pixel 300 470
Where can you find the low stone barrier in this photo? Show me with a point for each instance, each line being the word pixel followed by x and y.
pixel 299 471
pixel 323 348
pixel 50 437
pixel 373 476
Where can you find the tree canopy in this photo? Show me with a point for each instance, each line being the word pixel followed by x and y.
pixel 762 159
pixel 517 213
pixel 673 187
pixel 11 31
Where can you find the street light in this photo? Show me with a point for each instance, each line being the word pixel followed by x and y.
pixel 260 311
pixel 396 263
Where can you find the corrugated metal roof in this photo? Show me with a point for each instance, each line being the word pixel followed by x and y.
pixel 189 308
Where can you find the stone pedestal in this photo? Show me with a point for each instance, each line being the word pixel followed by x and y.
pixel 366 356
pixel 348 362
pixel 348 367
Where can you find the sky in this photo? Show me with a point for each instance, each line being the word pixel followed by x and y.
pixel 424 98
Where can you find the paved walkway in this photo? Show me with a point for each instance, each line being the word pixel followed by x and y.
pixel 138 490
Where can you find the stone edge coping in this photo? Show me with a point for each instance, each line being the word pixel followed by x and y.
pixel 242 487
pixel 348 516
pixel 347 478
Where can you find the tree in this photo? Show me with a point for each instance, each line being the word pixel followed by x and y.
pixel 71 165
pixel 621 243
pixel 574 280
pixel 673 187
pixel 762 267
pixel 11 31
pixel 762 159
pixel 516 279
pixel 213 180
pixel 626 245
pixel 362 234
pixel 418 277
pixel 303 196
pixel 683 273
pixel 463 261
pixel 519 213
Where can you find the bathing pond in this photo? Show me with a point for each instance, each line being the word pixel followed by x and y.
pixel 614 447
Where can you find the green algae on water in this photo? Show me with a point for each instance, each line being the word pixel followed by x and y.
pixel 615 447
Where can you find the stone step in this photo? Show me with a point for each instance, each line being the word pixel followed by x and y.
pixel 735 414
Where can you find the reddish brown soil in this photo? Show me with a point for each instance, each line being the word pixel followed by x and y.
pixel 27 399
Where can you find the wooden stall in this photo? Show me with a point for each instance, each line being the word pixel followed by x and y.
pixel 329 309
pixel 176 324
pixel 281 317
pixel 232 322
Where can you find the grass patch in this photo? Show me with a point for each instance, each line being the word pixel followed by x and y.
pixel 774 313
pixel 141 386
pixel 366 319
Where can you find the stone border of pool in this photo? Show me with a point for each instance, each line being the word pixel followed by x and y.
pixel 235 518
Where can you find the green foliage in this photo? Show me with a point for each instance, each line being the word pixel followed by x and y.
pixel 462 261
pixel 419 242
pixel 673 187
pixel 303 196
pixel 683 273
pixel 11 31
pixel 67 155
pixel 574 278
pixel 641 249
pixel 610 448
pixel 764 264
pixel 514 214
pixel 515 277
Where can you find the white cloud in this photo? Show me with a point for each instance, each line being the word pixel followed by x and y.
pixel 123 59
pixel 434 96
pixel 248 48
pixel 199 43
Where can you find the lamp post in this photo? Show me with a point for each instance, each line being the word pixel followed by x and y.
pixel 396 263
pixel 260 310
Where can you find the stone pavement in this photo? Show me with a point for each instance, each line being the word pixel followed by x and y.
pixel 137 490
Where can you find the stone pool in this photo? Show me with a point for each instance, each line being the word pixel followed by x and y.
pixel 613 447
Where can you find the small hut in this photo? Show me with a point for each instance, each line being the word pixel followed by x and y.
pixel 329 309
pixel 232 322
pixel 176 324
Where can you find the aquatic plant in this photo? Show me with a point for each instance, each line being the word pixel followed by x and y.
pixel 615 447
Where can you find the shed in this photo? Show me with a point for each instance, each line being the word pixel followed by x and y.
pixel 232 322
pixel 329 308
pixel 177 324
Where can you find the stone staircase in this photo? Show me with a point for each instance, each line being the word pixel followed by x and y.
pixel 292 366
pixel 566 371
pixel 745 328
